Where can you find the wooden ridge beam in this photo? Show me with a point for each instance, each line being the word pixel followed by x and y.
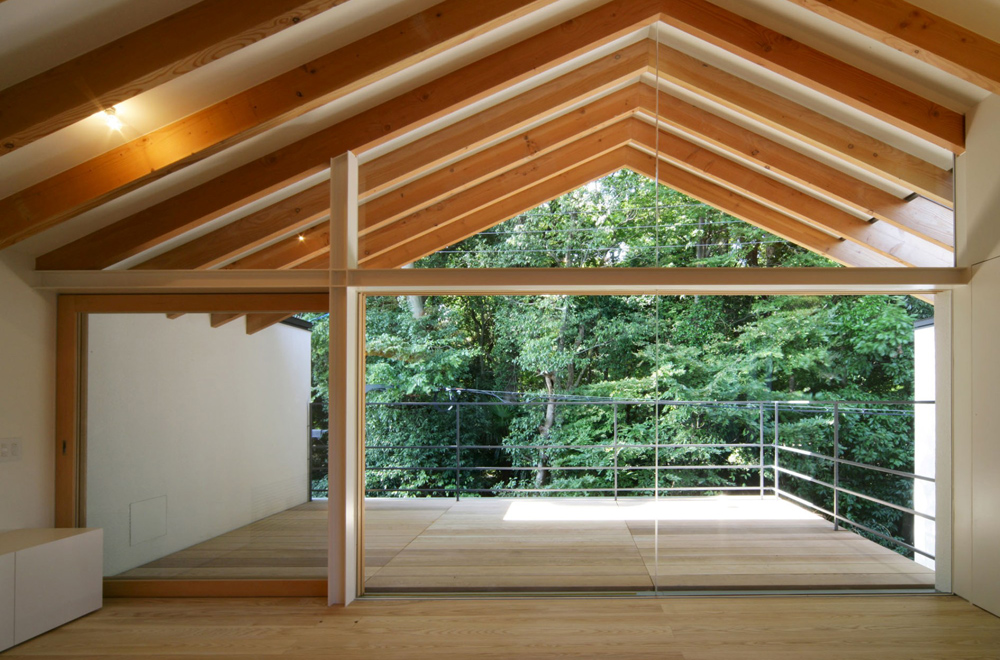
pixel 496 213
pixel 295 212
pixel 431 220
pixel 859 89
pixel 759 215
pixel 289 252
pixel 365 130
pixel 493 161
pixel 802 123
pixel 881 237
pixel 140 61
pixel 257 322
pixel 918 216
pixel 920 34
pixel 248 113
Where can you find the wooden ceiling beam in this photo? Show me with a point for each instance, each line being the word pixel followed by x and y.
pixel 818 71
pixel 883 238
pixel 250 112
pixel 219 320
pixel 140 61
pixel 802 123
pixel 363 131
pixel 918 216
pixel 920 34
pixel 757 214
pixel 432 219
pixel 257 322
pixel 295 212
pixel 289 252
pixel 496 213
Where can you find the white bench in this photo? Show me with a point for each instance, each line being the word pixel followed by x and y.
pixel 47 578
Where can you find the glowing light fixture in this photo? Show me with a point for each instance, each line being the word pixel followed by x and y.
pixel 112 120
pixel 302 238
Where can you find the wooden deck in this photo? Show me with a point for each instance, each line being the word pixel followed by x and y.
pixel 598 545
pixel 558 545
pixel 750 628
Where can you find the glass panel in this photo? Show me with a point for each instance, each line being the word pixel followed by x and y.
pixel 678 456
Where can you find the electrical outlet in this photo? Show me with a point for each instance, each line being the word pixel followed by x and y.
pixel 10 449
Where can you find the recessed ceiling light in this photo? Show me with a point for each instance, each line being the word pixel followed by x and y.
pixel 112 120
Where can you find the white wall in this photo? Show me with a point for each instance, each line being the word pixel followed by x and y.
pixel 27 396
pixel 976 367
pixel 211 419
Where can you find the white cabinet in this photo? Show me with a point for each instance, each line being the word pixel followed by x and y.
pixel 47 578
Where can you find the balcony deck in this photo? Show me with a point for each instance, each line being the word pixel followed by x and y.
pixel 560 544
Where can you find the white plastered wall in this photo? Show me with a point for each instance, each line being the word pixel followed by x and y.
pixel 192 431
pixel 976 384
pixel 27 395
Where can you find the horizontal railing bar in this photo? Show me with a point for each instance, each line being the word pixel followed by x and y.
pixel 867 466
pixel 799 500
pixel 579 447
pixel 649 489
pixel 847 491
pixel 562 467
pixel 663 402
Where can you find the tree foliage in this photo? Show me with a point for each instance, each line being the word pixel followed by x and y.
pixel 550 369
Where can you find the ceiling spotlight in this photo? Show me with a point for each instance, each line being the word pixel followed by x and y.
pixel 112 120
pixel 302 238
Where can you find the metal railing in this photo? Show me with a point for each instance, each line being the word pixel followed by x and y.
pixel 785 446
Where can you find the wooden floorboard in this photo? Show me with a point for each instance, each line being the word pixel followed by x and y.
pixel 751 628
pixel 563 545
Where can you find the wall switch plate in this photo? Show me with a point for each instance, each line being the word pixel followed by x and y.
pixel 10 449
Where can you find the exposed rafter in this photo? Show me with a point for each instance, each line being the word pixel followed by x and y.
pixel 861 90
pixel 140 61
pixel 295 212
pixel 431 220
pixel 802 123
pixel 258 322
pixel 239 117
pixel 311 155
pixel 917 215
pixel 920 34
pixel 887 240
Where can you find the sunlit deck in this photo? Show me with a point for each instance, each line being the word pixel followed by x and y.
pixel 537 544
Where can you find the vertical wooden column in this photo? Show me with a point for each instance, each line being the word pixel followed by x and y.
pixel 68 354
pixel 345 384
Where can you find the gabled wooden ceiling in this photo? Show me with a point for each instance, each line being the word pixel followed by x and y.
pixel 464 114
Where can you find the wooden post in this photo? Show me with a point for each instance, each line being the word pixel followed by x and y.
pixel 345 385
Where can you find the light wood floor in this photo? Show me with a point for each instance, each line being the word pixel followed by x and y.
pixel 753 628
pixel 433 545
pixel 631 546
pixel 289 545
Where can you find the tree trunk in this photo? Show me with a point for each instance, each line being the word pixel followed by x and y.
pixel 543 431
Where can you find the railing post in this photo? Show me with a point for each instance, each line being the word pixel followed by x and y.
pixel 777 490
pixel 836 465
pixel 760 442
pixel 458 451
pixel 615 445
